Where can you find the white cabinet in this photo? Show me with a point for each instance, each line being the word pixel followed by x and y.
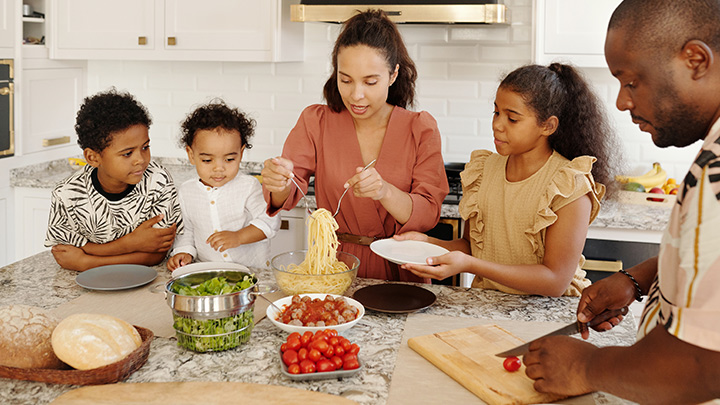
pixel 7 28
pixel 5 228
pixel 51 98
pixel 572 31
pixel 219 30
pixel 292 233
pixel 32 209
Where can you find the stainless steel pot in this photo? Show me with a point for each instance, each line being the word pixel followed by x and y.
pixel 210 306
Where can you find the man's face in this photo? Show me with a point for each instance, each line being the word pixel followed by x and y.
pixel 654 92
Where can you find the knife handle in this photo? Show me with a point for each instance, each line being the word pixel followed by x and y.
pixel 607 314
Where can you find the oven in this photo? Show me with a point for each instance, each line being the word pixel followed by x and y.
pixel 449 228
pixel 7 89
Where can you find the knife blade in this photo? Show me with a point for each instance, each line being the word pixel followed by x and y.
pixel 567 330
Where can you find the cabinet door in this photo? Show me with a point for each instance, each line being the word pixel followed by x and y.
pixel 105 24
pixel 50 103
pixel 292 233
pixel 218 25
pixel 7 27
pixel 573 31
pixel 32 206
pixel 4 227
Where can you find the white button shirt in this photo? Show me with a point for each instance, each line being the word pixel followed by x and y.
pixel 231 207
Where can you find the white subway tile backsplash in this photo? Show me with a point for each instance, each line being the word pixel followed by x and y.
pixel 457 125
pixel 275 84
pixel 510 53
pixel 413 34
pixel 432 70
pixel 447 88
pixel 481 33
pixel 467 108
pixel 449 52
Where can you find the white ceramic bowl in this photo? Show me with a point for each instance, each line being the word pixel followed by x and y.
pixel 272 315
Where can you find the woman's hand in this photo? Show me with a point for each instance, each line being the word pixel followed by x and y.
pixel 276 174
pixel 440 267
pixel 368 183
pixel 179 260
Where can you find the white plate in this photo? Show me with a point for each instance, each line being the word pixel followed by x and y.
pixel 202 266
pixel 406 251
pixel 272 315
pixel 116 277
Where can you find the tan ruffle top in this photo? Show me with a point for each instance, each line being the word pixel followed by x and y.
pixel 507 220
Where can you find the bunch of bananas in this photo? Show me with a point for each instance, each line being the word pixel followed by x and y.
pixel 654 178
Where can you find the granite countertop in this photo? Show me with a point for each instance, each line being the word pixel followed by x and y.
pixel 613 214
pixel 39 281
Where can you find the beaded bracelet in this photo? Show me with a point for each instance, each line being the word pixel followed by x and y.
pixel 638 292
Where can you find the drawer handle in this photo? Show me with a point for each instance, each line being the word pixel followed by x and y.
pixel 284 224
pixel 142 40
pixel 56 141
pixel 172 41
pixel 6 90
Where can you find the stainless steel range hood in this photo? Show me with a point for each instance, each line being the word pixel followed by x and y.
pixel 404 11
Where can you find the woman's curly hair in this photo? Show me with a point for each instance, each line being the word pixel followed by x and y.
pixel 583 127
pixel 217 114
pixel 106 113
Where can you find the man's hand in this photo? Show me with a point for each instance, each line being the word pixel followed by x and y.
pixel 558 364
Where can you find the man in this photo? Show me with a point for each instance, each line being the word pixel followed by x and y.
pixel 666 55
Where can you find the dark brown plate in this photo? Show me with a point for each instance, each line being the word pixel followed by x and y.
pixel 394 298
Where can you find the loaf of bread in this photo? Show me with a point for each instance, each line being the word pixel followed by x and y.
pixel 25 335
pixel 86 341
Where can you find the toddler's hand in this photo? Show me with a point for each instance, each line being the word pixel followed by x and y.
pixel 224 240
pixel 147 238
pixel 276 174
pixel 179 260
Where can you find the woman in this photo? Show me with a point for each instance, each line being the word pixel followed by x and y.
pixel 365 119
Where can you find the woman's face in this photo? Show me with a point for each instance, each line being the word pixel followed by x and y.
pixel 364 79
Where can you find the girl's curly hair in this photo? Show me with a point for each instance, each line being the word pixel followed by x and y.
pixel 217 114
pixel 106 113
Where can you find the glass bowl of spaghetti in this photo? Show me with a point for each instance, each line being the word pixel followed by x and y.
pixel 293 276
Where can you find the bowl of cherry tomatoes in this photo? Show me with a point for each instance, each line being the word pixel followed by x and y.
pixel 315 312
pixel 319 355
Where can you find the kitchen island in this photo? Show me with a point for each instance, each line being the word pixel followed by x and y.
pixel 39 281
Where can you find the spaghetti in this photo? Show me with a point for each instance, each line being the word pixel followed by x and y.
pixel 321 271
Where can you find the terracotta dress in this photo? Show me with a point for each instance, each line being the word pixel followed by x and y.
pixel 507 220
pixel 324 144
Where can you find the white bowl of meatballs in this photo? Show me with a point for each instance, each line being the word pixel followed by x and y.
pixel 314 312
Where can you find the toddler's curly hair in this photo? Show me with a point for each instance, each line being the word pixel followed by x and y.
pixel 106 113
pixel 217 114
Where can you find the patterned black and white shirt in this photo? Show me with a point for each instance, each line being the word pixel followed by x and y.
pixel 81 211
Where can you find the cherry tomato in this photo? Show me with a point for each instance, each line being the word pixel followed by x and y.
pixel 283 347
pixel 333 340
pixel 337 361
pixel 512 364
pixel 293 335
pixel 354 349
pixel 330 332
pixel 307 367
pixel 321 345
pixel 302 353
pixel 351 364
pixel 319 335
pixel 330 351
pixel 314 355
pixel 294 369
pixel 325 365
pixel 346 345
pixel 305 338
pixel 348 357
pixel 294 343
pixel 290 357
pixel 339 351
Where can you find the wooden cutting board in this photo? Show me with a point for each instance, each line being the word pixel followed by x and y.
pixel 193 393
pixel 468 356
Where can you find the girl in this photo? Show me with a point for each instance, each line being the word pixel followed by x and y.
pixel 223 210
pixel 527 207
pixel 373 80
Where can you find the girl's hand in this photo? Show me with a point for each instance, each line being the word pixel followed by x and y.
pixel 412 235
pixel 224 240
pixel 276 174
pixel 69 257
pixel 368 183
pixel 440 267
pixel 179 260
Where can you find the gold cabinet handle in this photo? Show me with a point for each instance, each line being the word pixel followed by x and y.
pixel 142 40
pixel 56 141
pixel 284 224
pixel 172 41
pixel 5 91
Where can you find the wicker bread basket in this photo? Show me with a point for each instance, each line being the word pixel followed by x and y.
pixel 111 373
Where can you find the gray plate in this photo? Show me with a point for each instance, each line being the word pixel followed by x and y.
pixel 116 277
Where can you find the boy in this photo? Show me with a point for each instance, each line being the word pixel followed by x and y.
pixel 121 208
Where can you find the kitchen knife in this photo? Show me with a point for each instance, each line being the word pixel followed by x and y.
pixel 568 330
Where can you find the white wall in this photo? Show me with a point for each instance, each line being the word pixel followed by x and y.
pixel 459 69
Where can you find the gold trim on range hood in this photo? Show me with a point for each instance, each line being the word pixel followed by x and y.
pixel 402 13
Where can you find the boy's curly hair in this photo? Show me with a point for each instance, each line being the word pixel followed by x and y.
pixel 217 114
pixel 106 113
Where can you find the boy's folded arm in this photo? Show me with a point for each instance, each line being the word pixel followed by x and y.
pixel 148 259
